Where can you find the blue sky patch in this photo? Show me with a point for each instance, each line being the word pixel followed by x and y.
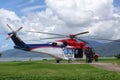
pixel 21 7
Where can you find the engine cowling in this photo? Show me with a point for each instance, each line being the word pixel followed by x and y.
pixel 61 44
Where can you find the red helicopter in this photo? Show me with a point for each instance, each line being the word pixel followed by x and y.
pixel 69 49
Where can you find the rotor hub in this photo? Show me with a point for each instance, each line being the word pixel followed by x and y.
pixel 72 36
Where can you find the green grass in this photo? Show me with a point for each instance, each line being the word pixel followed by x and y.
pixel 114 61
pixel 45 70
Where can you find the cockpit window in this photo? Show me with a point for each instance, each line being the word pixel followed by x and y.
pixel 68 51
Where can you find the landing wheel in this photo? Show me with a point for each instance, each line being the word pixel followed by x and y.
pixel 57 61
pixel 69 60
pixel 88 60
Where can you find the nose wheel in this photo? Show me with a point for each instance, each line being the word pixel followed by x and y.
pixel 58 60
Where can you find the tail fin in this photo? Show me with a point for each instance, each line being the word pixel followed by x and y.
pixel 19 44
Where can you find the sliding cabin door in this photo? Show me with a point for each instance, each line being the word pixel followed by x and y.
pixel 78 53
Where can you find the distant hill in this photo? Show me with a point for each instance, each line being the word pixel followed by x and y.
pixel 21 53
pixel 108 49
pixel 92 43
pixel 103 49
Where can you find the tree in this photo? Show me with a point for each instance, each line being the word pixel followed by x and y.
pixel 117 56
pixel 0 54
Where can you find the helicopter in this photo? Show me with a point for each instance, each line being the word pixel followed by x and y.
pixel 69 48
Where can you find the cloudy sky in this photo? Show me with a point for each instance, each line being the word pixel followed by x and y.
pixel 100 17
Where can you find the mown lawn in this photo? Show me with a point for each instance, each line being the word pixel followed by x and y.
pixel 45 70
pixel 108 60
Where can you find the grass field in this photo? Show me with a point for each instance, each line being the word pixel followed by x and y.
pixel 46 70
pixel 113 60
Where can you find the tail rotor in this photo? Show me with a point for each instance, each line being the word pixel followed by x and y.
pixel 13 32
pixel 18 29
pixel 9 36
pixel 10 27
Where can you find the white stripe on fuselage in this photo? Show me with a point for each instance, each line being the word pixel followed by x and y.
pixel 53 51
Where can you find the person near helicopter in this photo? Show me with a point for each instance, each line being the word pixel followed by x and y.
pixel 89 55
pixel 96 57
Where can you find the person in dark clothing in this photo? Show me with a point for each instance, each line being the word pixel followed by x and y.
pixel 89 55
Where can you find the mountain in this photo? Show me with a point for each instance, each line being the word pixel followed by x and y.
pixel 108 49
pixel 21 53
pixel 92 43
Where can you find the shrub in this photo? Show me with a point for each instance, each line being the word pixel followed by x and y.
pixel 0 54
pixel 117 56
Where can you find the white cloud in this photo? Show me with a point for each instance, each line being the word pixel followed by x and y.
pixel 8 17
pixel 5 46
pixel 68 16
pixel 80 11
pixel 32 8
pixel 97 16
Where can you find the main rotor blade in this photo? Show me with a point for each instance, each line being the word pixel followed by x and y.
pixel 82 40
pixel 51 38
pixel 81 33
pixel 19 29
pixel 48 33
pixel 10 27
